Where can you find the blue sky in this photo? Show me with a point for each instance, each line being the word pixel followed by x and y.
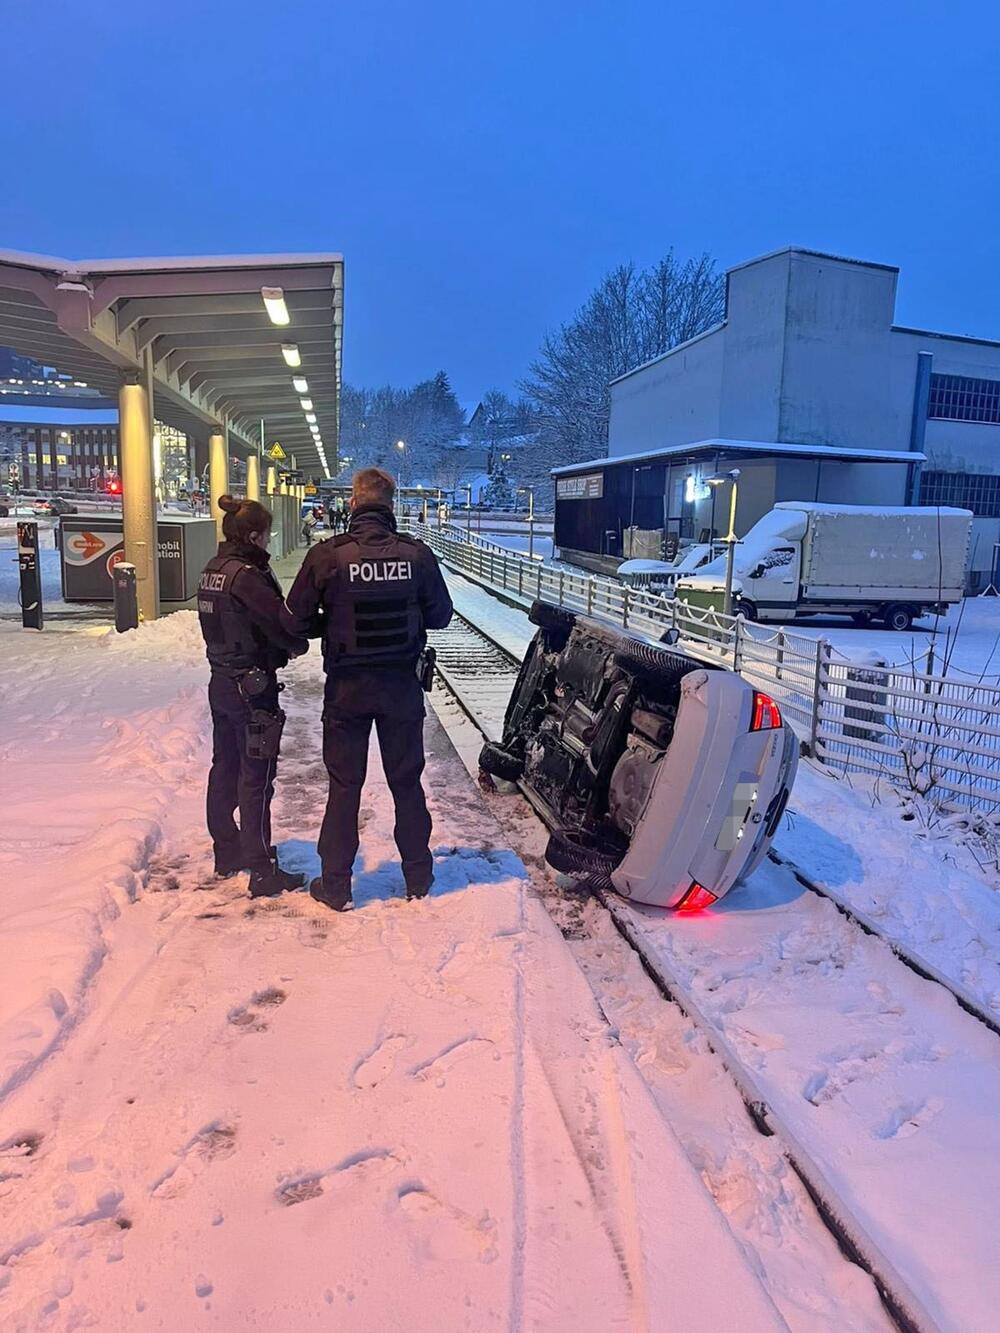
pixel 481 165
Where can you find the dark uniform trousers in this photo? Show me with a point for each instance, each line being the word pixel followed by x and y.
pixel 236 781
pixel 390 697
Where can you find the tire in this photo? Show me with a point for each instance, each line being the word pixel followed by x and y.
pixel 547 616
pixel 862 617
pixel 898 617
pixel 745 609
pixel 641 659
pixel 500 763
pixel 4 511
pixel 574 854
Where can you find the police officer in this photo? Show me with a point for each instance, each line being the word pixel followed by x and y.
pixel 240 610
pixel 371 593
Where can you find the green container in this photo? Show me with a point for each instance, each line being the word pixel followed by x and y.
pixel 705 599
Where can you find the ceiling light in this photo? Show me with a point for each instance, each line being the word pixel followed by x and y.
pixel 290 352
pixel 300 384
pixel 274 304
pixel 307 404
pixel 311 418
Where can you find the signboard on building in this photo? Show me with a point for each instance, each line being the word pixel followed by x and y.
pixel 588 486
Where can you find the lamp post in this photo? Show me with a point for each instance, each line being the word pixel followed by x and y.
pixel 468 524
pixel 530 492
pixel 401 446
pixel 731 539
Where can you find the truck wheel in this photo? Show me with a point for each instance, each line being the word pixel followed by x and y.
pixel 745 609
pixel 575 854
pixel 861 617
pixel 547 616
pixel 494 759
pixel 899 617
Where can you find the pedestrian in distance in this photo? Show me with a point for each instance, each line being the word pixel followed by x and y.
pixel 308 525
pixel 371 594
pixel 240 609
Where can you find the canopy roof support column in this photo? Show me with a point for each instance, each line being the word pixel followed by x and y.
pixel 138 493
pixel 218 473
pixel 253 478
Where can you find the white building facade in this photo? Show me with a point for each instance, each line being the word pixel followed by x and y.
pixel 809 355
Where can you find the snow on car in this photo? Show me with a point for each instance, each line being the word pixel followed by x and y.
pixel 660 775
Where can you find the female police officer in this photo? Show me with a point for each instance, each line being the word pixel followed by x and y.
pixel 239 603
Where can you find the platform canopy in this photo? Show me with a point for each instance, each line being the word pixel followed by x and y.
pixel 222 340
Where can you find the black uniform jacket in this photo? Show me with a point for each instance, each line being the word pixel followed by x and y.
pixel 242 611
pixel 370 593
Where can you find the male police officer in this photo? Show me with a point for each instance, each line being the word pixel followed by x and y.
pixel 371 593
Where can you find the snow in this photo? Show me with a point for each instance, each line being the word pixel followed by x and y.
pixel 265 1115
pixel 871 511
pixel 749 446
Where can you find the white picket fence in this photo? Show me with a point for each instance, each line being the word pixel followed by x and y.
pixel 930 734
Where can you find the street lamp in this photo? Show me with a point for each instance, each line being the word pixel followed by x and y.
pixel 401 446
pixel 530 491
pixel 732 477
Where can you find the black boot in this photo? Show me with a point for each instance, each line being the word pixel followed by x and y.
pixel 338 901
pixel 419 889
pixel 269 881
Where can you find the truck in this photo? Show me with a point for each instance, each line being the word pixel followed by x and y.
pixel 889 565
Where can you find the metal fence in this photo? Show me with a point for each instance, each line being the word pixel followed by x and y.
pixel 929 734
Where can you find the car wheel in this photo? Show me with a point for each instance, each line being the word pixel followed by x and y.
pixel 547 616
pixel 899 617
pixel 745 609
pixel 4 511
pixel 494 759
pixel 575 853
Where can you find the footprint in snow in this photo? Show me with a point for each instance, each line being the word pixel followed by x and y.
pixel 362 1167
pixel 441 1064
pixel 443 1231
pixel 246 1016
pixel 213 1142
pixel 908 1118
pixel 372 1068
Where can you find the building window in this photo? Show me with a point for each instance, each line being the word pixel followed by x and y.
pixel 977 491
pixel 959 398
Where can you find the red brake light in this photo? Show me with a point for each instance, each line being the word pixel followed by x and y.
pixel 766 713
pixel 696 898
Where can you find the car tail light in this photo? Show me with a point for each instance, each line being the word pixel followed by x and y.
pixel 766 713
pixel 696 898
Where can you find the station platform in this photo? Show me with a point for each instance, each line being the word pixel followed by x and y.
pixel 231 1114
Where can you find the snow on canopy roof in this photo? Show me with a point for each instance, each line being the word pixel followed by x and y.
pixel 162 264
pixel 812 507
pixel 817 451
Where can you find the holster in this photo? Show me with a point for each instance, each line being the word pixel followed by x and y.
pixel 425 669
pixel 263 738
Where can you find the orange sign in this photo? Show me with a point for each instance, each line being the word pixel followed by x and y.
pixel 85 545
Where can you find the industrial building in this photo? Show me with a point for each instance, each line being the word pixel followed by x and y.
pixel 814 393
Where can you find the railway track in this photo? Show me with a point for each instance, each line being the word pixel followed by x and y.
pixel 462 664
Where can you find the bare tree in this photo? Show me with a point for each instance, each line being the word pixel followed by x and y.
pixel 630 318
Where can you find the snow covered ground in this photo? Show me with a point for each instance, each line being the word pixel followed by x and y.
pixel 235 1115
pixel 882 1082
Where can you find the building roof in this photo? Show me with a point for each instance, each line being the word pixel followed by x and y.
pixel 813 254
pixel 201 323
pixel 749 448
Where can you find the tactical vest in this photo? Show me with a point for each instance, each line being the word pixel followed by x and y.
pixel 231 639
pixel 372 610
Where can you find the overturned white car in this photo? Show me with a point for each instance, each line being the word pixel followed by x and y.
pixel 658 775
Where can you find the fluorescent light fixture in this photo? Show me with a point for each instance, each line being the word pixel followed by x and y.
pixel 300 384
pixel 311 418
pixel 274 304
pixel 307 404
pixel 290 352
